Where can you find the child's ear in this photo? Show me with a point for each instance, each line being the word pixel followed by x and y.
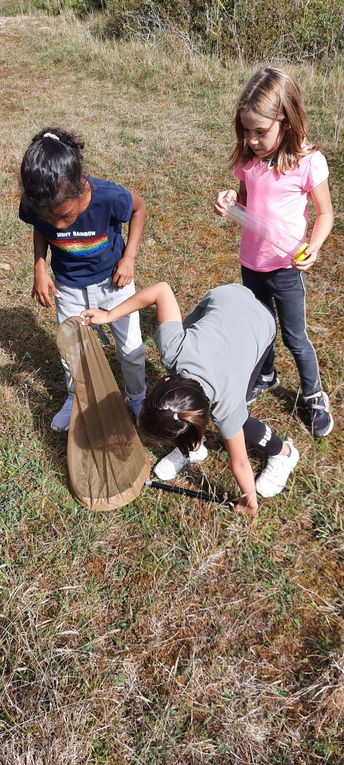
pixel 285 125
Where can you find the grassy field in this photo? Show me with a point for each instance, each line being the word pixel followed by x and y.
pixel 170 632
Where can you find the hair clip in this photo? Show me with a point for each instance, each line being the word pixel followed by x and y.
pixel 51 135
pixel 175 416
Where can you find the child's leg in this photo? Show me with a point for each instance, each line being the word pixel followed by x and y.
pixel 282 457
pixel 69 302
pixel 258 283
pixel 260 435
pixel 129 344
pixel 73 300
pixel 289 293
pixel 254 381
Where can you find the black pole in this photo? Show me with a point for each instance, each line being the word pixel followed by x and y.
pixel 222 498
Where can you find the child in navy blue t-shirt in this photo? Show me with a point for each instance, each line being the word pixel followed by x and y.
pixel 80 218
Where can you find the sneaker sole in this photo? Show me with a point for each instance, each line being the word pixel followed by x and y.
pixel 295 460
pixel 327 431
pixel 274 386
pixel 168 477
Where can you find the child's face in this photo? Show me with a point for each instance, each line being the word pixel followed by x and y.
pixel 64 214
pixel 261 134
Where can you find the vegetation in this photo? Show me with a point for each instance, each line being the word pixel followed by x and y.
pixel 171 632
pixel 304 30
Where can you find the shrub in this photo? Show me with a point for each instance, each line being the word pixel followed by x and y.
pixel 80 7
pixel 250 29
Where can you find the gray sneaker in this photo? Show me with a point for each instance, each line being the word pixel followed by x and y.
pixel 319 419
pixel 262 386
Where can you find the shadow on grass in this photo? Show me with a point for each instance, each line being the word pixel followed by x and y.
pixel 35 368
pixel 36 373
pixel 287 397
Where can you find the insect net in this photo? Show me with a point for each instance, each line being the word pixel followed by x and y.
pixel 107 462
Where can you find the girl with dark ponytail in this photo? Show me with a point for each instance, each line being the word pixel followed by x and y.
pixel 213 359
pixel 80 218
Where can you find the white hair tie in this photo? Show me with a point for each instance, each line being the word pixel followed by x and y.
pixel 51 135
pixel 175 416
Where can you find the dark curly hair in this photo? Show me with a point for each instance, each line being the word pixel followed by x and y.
pixel 177 411
pixel 52 169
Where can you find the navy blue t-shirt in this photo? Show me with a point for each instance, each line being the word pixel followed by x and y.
pixel 87 252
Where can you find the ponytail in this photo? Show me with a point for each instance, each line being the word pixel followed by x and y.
pixel 177 411
pixel 52 169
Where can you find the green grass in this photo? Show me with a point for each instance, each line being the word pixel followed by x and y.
pixel 171 631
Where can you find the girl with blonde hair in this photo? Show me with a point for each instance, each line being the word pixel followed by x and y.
pixel 279 172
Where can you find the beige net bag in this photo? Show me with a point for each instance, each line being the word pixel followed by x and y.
pixel 107 462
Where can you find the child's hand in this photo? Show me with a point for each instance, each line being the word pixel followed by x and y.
pixel 304 265
pixel 243 507
pixel 95 316
pixel 42 284
pixel 223 200
pixel 124 271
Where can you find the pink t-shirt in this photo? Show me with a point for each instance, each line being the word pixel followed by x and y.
pixel 281 205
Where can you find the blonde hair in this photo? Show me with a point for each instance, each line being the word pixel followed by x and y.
pixel 274 94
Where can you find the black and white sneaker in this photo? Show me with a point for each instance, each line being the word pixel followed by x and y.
pixel 319 419
pixel 262 385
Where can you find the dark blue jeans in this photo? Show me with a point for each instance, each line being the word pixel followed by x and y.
pixel 284 291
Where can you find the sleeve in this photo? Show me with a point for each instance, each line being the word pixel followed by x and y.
pixel 316 171
pixel 229 426
pixel 169 339
pixel 122 204
pixel 239 173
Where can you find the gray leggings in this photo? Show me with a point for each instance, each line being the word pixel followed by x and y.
pixel 71 301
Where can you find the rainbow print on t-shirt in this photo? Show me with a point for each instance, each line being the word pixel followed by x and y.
pixel 79 246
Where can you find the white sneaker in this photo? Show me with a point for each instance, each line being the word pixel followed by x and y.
pixel 276 473
pixel 174 462
pixel 61 419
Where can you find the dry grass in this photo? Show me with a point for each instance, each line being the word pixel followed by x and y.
pixel 172 631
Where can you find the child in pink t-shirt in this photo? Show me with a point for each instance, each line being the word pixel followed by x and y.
pixel 279 171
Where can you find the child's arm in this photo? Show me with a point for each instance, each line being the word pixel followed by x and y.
pixel 42 282
pixel 230 197
pixel 322 227
pixel 242 471
pixel 159 294
pixel 124 270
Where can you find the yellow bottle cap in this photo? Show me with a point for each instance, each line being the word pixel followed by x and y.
pixel 301 253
